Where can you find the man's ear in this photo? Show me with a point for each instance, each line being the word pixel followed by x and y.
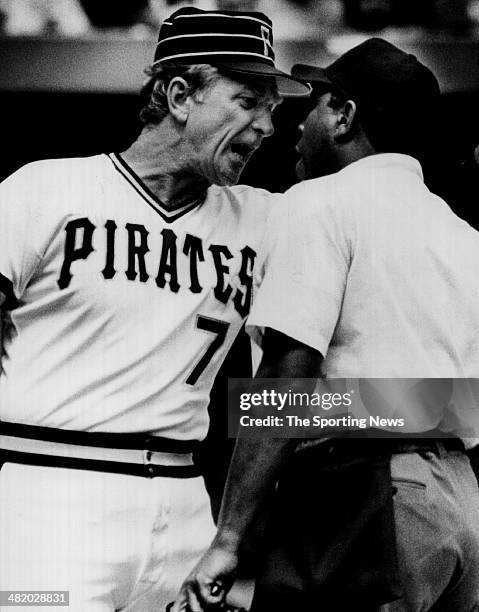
pixel 179 99
pixel 345 122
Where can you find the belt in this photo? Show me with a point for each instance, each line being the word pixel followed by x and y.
pixel 330 452
pixel 132 454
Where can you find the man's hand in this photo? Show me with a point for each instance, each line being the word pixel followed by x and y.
pixel 209 582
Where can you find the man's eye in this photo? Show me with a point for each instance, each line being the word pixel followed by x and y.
pixel 248 102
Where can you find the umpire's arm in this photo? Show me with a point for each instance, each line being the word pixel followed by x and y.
pixel 253 471
pixel 256 462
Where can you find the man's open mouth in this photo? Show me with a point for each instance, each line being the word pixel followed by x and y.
pixel 243 150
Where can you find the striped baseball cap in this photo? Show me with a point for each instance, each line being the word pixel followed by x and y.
pixel 235 41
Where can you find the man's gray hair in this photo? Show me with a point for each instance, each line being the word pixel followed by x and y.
pixel 198 76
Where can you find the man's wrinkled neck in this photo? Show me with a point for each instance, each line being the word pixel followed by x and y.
pixel 159 159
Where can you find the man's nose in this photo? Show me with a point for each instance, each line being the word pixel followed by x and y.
pixel 263 122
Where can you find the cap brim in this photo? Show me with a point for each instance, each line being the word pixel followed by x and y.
pixel 311 74
pixel 288 86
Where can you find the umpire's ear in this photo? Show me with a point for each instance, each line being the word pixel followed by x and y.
pixel 178 99
pixel 345 123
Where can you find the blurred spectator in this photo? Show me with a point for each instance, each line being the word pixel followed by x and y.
pixel 299 19
pixel 294 19
pixel 473 11
pixel 40 17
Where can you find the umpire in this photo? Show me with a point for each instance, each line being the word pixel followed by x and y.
pixel 371 276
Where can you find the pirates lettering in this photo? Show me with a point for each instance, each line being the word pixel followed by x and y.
pixel 138 242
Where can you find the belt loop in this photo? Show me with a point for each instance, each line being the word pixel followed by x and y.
pixel 150 470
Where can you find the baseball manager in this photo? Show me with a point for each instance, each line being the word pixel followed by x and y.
pixel 124 278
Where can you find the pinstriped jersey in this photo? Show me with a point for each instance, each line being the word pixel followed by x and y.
pixel 117 313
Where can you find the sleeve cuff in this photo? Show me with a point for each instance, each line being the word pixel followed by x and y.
pixel 255 327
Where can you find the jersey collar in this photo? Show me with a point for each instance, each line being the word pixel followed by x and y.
pixel 169 214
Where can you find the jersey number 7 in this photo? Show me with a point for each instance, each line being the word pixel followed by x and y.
pixel 214 326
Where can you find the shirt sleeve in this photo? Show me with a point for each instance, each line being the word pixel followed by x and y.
pixel 19 226
pixel 306 271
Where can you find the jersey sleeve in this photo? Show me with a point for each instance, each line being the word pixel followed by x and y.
pixel 20 227
pixel 306 270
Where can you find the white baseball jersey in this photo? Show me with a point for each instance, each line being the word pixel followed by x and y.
pixel 118 312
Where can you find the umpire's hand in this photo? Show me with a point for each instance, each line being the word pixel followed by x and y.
pixel 207 585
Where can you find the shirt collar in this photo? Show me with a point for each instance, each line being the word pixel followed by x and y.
pixel 387 160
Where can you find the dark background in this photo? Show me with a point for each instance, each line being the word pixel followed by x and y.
pixel 39 125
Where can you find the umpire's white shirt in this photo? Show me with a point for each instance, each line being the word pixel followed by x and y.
pixel 375 272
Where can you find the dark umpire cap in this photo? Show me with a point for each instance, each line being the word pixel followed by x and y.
pixel 377 75
pixel 235 41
